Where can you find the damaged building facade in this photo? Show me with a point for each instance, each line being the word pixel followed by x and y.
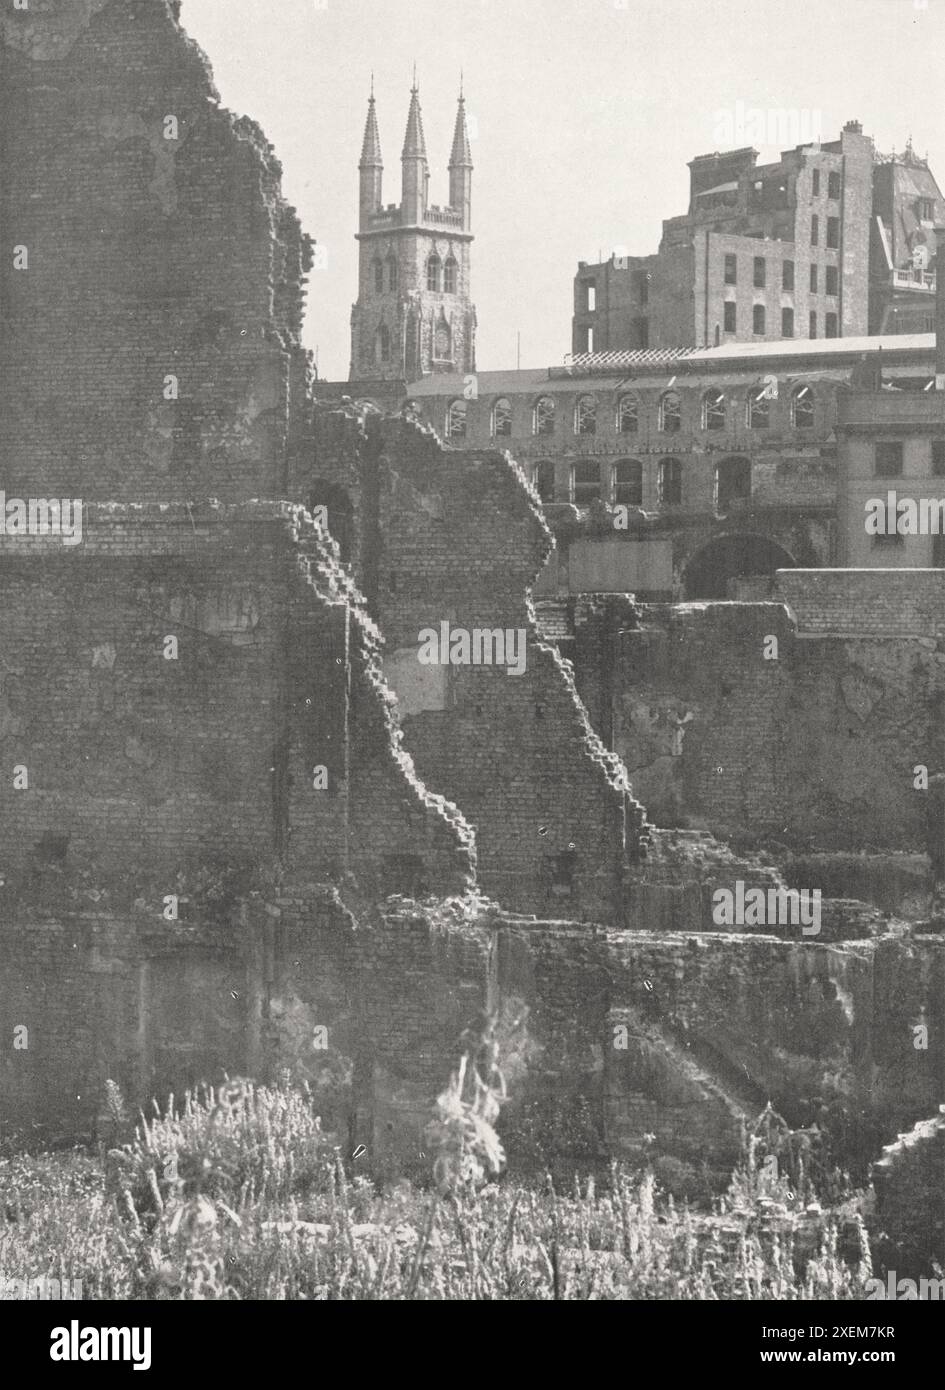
pixel 239 812
pixel 833 240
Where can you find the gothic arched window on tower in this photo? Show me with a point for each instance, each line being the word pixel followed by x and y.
pixel 383 343
pixel 433 272
pixel 456 420
pixel 544 421
pixel 585 415
pixel 379 277
pixel 450 271
pixel 502 417
pixel 442 342
pixel 391 273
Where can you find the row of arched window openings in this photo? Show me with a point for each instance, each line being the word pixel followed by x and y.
pixel 586 482
pixel 714 413
pixel 440 275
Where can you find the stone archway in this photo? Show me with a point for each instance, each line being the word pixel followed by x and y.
pixel 723 558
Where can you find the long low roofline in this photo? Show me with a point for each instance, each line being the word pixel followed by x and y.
pixel 832 352
pixel 817 347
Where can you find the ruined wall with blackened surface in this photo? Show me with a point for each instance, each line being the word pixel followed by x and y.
pixel 139 778
pixel 816 749
pixel 147 257
pixel 681 1036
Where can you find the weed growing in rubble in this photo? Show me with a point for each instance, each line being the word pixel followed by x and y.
pixel 236 1193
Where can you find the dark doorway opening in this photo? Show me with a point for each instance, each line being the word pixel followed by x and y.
pixel 710 570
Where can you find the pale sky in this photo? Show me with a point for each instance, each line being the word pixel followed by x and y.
pixel 585 114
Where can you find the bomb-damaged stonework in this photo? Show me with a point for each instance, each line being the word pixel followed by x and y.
pixel 238 812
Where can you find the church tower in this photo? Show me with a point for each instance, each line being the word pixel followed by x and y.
pixel 414 315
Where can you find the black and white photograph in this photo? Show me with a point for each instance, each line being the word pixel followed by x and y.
pixel 472 663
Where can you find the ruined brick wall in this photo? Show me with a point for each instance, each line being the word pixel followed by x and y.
pixel 191 700
pixel 375 829
pixel 869 603
pixel 443 536
pixel 141 769
pixel 815 750
pixel 136 763
pixel 147 257
pixel 696 710
pixel 909 1219
pixel 719 1025
pixel 153 1006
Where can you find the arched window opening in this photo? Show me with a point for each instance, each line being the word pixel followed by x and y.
pixel 802 408
pixel 628 482
pixel 450 275
pixel 585 482
pixel 433 272
pixel 585 415
pixel 502 418
pixel 669 483
pixel 544 417
pixel 628 415
pixel 391 273
pixel 378 277
pixel 456 420
pixel 670 412
pixel 759 408
pixel 713 410
pixel 383 343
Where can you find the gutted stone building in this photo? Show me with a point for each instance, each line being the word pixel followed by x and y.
pixel 832 240
pixel 683 473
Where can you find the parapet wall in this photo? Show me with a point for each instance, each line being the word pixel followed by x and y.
pixel 871 603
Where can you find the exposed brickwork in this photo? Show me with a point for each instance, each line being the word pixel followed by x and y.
pixel 197 778
pixel 117 295
pixel 458 539
pixel 865 603
pixel 717 737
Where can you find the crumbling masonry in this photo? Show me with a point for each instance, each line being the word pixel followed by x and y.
pixel 220 829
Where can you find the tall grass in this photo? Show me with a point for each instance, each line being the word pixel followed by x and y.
pixel 236 1193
